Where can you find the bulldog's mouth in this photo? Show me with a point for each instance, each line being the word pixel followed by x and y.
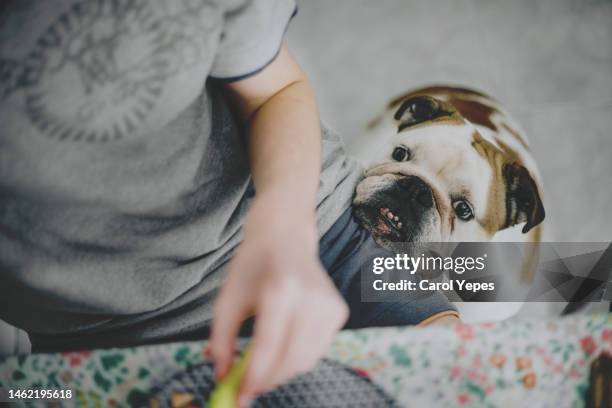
pixel 387 223
pixel 390 219
pixel 395 210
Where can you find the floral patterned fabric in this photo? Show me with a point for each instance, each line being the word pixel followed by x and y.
pixel 507 364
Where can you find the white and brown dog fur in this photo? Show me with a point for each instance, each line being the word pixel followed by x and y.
pixel 448 164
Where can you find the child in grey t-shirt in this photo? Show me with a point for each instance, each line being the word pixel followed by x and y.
pixel 127 182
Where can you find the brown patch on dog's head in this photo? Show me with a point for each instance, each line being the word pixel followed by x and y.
pixel 494 218
pixel 514 195
pixel 460 100
pixel 474 111
pixel 476 107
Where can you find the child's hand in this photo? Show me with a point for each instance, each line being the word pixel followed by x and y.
pixel 276 275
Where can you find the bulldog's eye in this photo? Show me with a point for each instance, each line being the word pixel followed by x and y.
pixel 463 210
pixel 401 153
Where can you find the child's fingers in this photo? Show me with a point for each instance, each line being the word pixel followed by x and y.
pixel 297 357
pixel 231 309
pixel 310 338
pixel 272 330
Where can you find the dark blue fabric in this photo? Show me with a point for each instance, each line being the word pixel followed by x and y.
pixel 342 250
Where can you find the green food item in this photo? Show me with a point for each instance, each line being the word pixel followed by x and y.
pixel 225 394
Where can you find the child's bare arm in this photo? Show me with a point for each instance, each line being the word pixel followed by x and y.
pixel 276 274
pixel 284 132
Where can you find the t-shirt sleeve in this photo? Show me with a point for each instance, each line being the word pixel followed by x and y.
pixel 251 38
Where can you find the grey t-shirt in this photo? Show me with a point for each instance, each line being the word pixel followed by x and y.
pixel 124 179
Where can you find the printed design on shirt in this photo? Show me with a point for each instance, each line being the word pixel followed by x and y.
pixel 10 72
pixel 99 70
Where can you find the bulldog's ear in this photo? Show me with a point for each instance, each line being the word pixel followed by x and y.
pixel 523 202
pixel 418 109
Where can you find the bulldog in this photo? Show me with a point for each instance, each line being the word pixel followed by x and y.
pixel 448 164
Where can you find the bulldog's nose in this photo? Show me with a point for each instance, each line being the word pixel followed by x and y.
pixel 417 190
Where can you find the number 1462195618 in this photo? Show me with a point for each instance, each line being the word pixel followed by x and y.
pixel 34 393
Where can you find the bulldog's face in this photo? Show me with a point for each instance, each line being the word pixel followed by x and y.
pixel 435 178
